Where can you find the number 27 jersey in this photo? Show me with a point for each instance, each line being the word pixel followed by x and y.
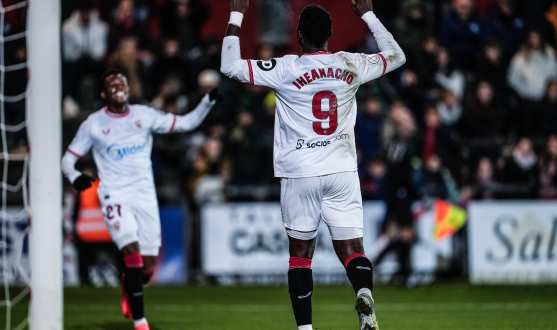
pixel 315 109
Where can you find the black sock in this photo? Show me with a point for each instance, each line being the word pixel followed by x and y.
pixel 360 273
pixel 147 276
pixel 300 287
pixel 133 284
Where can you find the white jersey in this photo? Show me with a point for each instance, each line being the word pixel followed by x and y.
pixel 121 144
pixel 315 102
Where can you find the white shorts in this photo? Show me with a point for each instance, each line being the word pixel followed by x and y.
pixel 132 215
pixel 335 198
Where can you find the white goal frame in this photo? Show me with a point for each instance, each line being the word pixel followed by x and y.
pixel 44 118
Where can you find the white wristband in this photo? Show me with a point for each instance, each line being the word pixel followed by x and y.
pixel 369 17
pixel 236 18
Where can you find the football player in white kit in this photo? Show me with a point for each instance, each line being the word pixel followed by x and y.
pixel 314 146
pixel 120 135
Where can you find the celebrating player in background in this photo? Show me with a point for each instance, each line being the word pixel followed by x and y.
pixel 120 135
pixel 314 148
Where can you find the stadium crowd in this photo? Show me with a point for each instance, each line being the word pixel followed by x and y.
pixel 472 115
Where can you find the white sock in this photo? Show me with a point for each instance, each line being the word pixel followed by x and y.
pixel 305 327
pixel 138 322
pixel 364 290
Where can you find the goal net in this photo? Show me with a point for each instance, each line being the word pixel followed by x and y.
pixel 14 228
pixel 30 139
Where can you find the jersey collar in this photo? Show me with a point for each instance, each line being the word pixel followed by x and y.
pixel 116 115
pixel 318 53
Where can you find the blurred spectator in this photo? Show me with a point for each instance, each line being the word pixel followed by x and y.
pixel 372 179
pixel 448 76
pixel 492 67
pixel 368 128
pixel 483 187
pixel 436 139
pixel 546 112
pixel 462 31
pixel 413 25
pixel 532 67
pixel 412 92
pixel 183 19
pixel 431 182
pixel 244 145
pixel 207 81
pixel 125 25
pixel 548 170
pixel 483 117
pixel 169 65
pixel 424 61
pixel 211 173
pixel 84 44
pixel 449 109
pixel 519 172
pixel 126 58
pixel 503 23
pixel 400 193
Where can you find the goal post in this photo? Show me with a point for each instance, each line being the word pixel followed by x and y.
pixel 44 117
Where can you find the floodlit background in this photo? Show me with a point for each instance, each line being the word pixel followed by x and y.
pixel 474 111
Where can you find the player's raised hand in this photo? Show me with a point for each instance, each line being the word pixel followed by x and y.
pixel 82 182
pixel 215 94
pixel 360 7
pixel 239 6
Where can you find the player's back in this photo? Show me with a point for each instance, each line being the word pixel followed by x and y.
pixel 316 113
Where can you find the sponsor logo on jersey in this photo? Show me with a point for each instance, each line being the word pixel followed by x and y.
pixel 105 132
pixel 300 144
pixel 321 73
pixel 116 225
pixel 117 152
pixel 267 65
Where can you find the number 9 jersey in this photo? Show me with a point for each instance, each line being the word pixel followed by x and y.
pixel 315 107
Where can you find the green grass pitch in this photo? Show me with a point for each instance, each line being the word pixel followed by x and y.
pixel 439 306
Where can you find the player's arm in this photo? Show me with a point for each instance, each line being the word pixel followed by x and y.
pixel 391 56
pixel 169 123
pixel 80 146
pixel 232 64
pixel 261 73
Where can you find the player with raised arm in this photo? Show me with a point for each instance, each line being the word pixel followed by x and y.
pixel 314 147
pixel 120 135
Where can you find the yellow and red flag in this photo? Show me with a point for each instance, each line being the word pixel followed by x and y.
pixel 448 219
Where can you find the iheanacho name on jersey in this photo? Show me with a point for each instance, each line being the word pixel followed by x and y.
pixel 323 73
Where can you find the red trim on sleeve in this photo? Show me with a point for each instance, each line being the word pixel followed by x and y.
pixel 173 124
pixel 74 153
pixel 295 262
pixel 355 255
pixel 250 72
pixel 384 63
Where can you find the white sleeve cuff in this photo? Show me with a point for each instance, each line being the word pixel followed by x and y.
pixel 370 18
pixel 236 18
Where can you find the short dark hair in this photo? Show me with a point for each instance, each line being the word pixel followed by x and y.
pixel 85 5
pixel 105 75
pixel 316 25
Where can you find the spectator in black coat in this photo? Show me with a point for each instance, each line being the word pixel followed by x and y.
pixel 503 23
pixel 483 116
pixel 463 32
pixel 372 179
pixel 546 113
pixel 183 19
pixel 520 173
pixel 368 128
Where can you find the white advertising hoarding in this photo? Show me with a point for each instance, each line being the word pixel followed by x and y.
pixel 513 242
pixel 249 239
